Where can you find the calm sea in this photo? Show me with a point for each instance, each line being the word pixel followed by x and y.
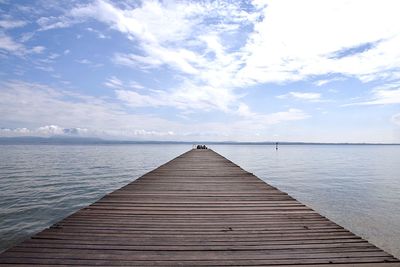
pixel 357 186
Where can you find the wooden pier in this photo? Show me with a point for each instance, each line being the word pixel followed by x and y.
pixel 199 209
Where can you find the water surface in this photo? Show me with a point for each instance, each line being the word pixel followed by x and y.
pixel 357 186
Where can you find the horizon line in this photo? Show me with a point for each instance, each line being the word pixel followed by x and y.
pixel 97 140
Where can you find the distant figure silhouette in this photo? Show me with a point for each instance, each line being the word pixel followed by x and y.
pixel 276 146
pixel 201 147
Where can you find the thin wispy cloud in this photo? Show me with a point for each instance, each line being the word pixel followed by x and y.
pixel 113 82
pixel 308 96
pixel 10 46
pixel 11 24
pixel 327 81
pixel 381 97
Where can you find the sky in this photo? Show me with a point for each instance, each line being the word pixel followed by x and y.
pixel 279 70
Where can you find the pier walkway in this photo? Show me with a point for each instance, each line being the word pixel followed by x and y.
pixel 199 209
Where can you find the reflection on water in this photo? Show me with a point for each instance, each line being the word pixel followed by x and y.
pixel 356 186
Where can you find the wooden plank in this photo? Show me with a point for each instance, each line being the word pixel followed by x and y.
pixel 199 209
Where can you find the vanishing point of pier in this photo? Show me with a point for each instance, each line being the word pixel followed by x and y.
pixel 199 209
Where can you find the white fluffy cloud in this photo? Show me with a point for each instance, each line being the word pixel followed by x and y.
pixel 191 44
pixel 188 96
pixel 291 40
pixel 298 39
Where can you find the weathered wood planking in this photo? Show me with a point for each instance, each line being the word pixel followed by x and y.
pixel 199 209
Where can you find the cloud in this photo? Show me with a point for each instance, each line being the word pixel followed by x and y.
pixel 385 95
pixel 35 105
pixel 99 34
pixel 55 130
pixel 194 45
pixel 37 49
pixel 191 45
pixel 253 123
pixel 52 22
pixel 198 57
pixel 243 45
pixel 113 82
pixel 135 85
pixel 49 130
pixel 135 99
pixel 83 61
pixel 152 134
pixel 189 96
pixel 14 132
pixel 26 36
pixel 326 81
pixel 290 115
pixel 257 119
pixel 11 24
pixel 146 22
pixel 8 45
pixel 136 61
pixel 244 111
pixel 302 96
pixel 294 51
pixel 275 51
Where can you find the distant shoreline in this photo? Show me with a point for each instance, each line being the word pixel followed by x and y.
pixel 97 141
